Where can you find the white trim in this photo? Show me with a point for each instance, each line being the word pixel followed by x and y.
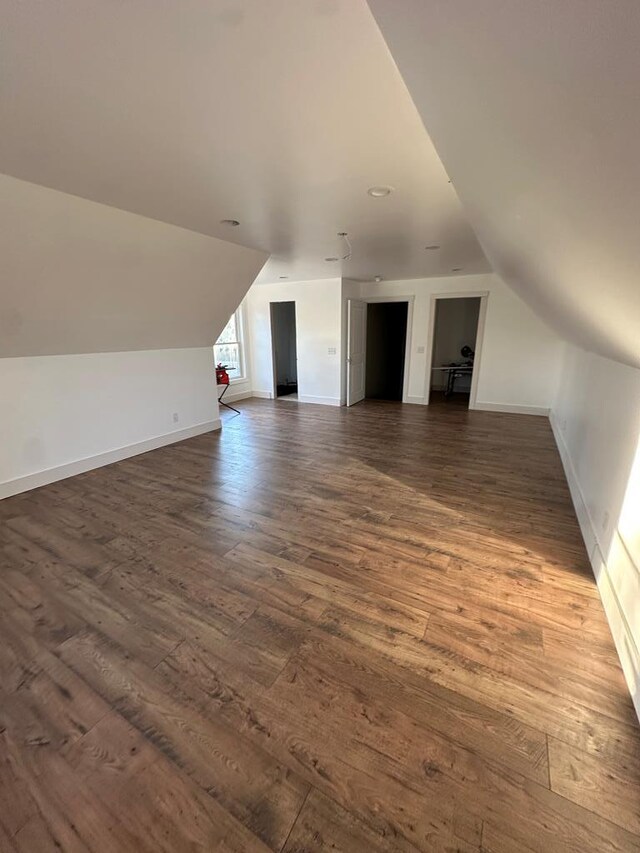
pixel 418 401
pixel 274 373
pixel 483 295
pixel 407 341
pixel 238 314
pixel 262 395
pixel 626 647
pixel 510 408
pixel 232 396
pixel 324 401
pixel 79 466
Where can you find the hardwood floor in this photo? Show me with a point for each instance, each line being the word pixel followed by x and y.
pixel 363 630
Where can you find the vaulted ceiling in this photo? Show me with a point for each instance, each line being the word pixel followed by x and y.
pixel 277 113
pixel 281 114
pixel 533 106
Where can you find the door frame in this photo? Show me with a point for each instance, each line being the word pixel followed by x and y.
pixel 407 342
pixel 274 373
pixel 483 295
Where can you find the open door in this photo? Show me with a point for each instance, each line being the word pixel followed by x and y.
pixel 356 350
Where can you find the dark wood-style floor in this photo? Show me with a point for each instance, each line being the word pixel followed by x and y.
pixel 323 629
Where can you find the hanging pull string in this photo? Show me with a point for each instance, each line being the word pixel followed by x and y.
pixel 345 237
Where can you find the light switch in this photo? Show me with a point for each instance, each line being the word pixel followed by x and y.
pixel 420 350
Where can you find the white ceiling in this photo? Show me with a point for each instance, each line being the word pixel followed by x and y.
pixel 534 106
pixel 280 114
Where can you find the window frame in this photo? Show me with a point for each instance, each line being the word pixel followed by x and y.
pixel 239 342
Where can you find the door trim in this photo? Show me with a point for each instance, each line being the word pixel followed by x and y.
pixel 483 295
pixel 274 373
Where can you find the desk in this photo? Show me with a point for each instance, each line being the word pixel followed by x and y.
pixel 221 394
pixel 454 371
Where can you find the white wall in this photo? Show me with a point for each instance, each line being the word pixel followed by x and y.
pixel 318 322
pixel 596 421
pixel 65 414
pixel 521 356
pixel 106 329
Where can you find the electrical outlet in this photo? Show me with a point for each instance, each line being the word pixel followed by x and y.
pixel 176 417
pixel 420 350
pixel 332 351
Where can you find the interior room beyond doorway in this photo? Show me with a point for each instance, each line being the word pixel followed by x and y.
pixel 284 344
pixel 385 350
pixel 455 333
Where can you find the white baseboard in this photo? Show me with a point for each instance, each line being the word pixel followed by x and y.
pixel 232 396
pixel 323 401
pixel 510 408
pixel 79 466
pixel 263 395
pixel 418 401
pixel 620 630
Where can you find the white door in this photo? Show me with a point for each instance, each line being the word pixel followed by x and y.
pixel 356 350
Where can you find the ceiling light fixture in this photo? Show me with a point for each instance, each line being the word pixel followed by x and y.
pixel 231 222
pixel 457 269
pixel 346 257
pixel 379 192
pixel 284 276
pixel 378 278
pixel 431 248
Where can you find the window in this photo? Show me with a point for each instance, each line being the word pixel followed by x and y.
pixel 228 348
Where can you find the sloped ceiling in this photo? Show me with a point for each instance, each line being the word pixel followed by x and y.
pixel 534 109
pixel 78 277
pixel 277 113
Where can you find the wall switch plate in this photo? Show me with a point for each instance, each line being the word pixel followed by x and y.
pixel 176 417
pixel 420 350
pixel 332 351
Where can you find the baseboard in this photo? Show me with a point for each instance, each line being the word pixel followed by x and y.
pixel 620 630
pixel 510 408
pixel 587 527
pixel 323 401
pixel 79 466
pixel 231 396
pixel 262 395
pixel 417 401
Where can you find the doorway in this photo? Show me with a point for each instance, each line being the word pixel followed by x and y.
pixel 284 346
pixel 378 332
pixel 453 354
pixel 385 350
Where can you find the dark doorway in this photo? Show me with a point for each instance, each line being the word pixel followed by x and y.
pixel 285 357
pixel 386 344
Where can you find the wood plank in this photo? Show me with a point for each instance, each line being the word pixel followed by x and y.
pixel 243 778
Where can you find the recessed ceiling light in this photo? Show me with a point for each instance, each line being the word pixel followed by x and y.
pixel 378 278
pixel 332 260
pixel 379 192
pixel 431 248
pixel 232 222
pixel 457 269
